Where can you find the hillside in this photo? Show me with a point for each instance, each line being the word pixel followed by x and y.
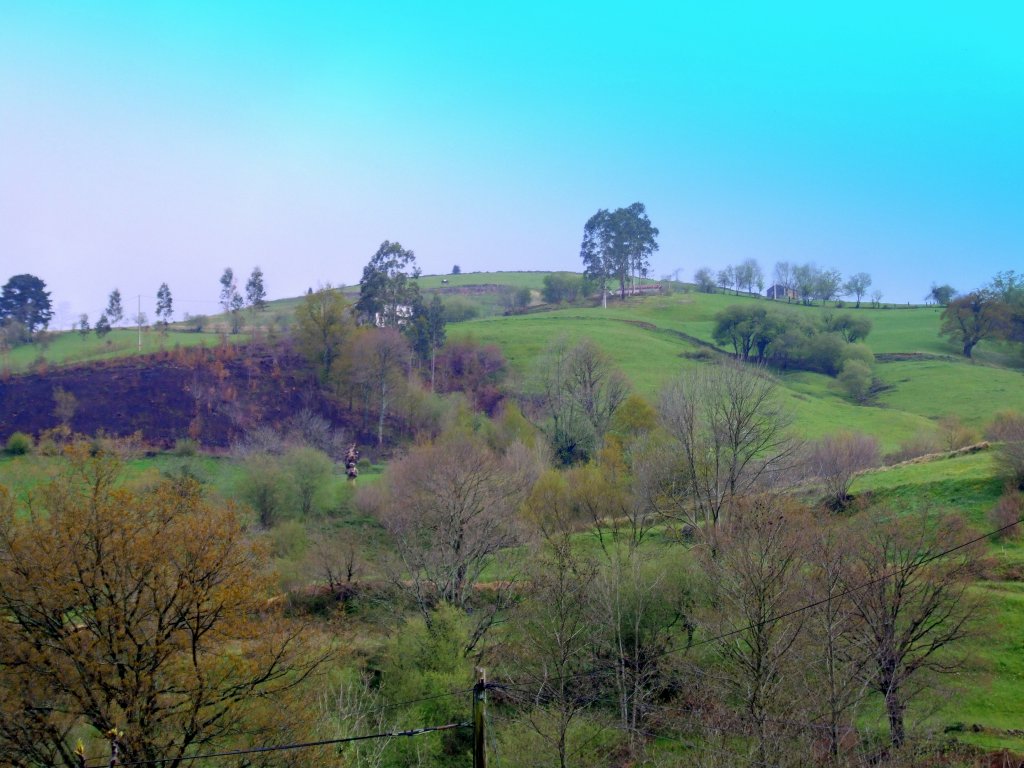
pixel 922 377
pixel 215 388
pixel 213 396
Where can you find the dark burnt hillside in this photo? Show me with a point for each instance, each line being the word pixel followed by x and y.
pixel 211 395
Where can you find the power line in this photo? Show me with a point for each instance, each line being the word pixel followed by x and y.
pixel 297 745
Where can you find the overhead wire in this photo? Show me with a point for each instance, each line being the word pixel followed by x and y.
pixel 292 746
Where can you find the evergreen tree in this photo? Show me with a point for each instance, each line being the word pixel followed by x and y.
pixel 25 300
pixel 388 290
pixel 102 326
pixel 426 331
pixel 255 293
pixel 164 304
pixel 115 310
pixel 228 289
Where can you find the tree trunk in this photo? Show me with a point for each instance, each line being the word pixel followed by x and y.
pixel 383 409
pixel 968 346
pixel 894 709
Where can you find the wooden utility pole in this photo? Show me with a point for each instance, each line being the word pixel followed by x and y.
pixel 479 729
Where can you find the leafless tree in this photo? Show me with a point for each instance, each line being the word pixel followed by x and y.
pixel 729 436
pixel 641 604
pixel 755 577
pixel 336 557
pixel 380 359
pixel 450 507
pixel 580 390
pixel 353 709
pixel 551 644
pixel 835 461
pixel 914 605
pixel 834 650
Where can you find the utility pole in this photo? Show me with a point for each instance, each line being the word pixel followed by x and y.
pixel 138 318
pixel 479 729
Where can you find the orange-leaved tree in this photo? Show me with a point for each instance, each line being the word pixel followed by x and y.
pixel 141 610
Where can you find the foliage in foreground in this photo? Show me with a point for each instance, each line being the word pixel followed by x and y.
pixel 142 610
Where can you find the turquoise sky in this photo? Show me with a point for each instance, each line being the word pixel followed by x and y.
pixel 150 142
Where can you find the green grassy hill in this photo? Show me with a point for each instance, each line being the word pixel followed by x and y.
pixel 653 339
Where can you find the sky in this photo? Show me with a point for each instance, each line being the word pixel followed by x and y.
pixel 153 142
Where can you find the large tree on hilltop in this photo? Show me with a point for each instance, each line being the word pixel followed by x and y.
pixel 972 318
pixel 617 245
pixel 25 300
pixel 389 290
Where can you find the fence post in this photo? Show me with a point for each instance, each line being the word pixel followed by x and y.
pixel 479 709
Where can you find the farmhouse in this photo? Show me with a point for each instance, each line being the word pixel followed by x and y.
pixel 778 291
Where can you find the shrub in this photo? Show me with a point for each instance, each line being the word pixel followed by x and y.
pixel 18 444
pixel 1008 510
pixel 186 447
pixel 835 460
pixel 1006 425
pixel 860 352
pixel 1010 460
pixel 955 434
pixel 457 310
pixel 921 445
pixel 856 379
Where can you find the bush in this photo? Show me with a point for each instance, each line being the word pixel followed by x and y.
pixel 185 447
pixel 856 379
pixel 955 434
pixel 196 323
pixel 921 445
pixel 835 460
pixel 1006 425
pixel 859 352
pixel 19 444
pixel 823 353
pixel 1010 461
pixel 457 310
pixel 1008 510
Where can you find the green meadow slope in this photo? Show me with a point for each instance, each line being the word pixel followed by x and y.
pixel 653 339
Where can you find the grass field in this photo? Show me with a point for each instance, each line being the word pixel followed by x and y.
pixel 71 348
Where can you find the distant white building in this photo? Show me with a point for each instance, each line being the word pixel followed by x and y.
pixel 403 313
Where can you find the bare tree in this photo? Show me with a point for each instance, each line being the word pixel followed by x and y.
pixel 580 390
pixel 729 436
pixel 836 656
pixel 835 461
pixel 784 277
pixel 551 644
pixel 380 359
pixel 640 605
pixel 755 578
pixel 911 603
pixel 354 709
pixel 858 285
pixel 450 507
